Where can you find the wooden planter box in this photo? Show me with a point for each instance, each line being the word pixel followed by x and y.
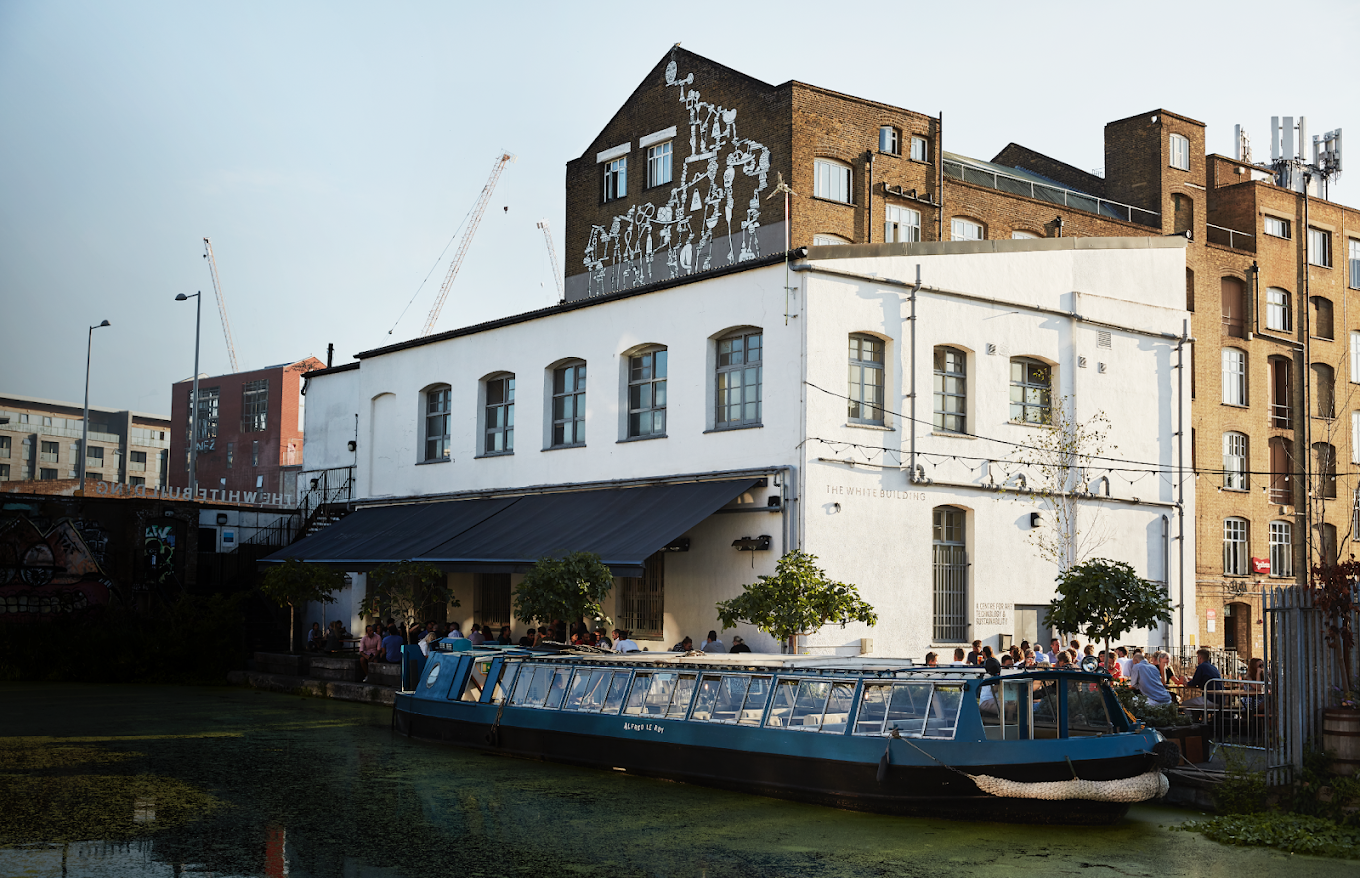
pixel 1193 740
pixel 1341 738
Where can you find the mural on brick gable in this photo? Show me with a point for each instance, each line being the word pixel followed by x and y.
pixel 701 205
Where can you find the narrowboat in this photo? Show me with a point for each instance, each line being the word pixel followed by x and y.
pixel 1045 746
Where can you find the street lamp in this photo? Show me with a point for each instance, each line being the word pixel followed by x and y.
pixel 193 400
pixel 85 424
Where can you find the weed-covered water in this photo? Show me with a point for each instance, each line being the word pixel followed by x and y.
pixel 150 781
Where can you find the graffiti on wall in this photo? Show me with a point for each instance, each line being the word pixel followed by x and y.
pixel 700 210
pixel 160 553
pixel 46 572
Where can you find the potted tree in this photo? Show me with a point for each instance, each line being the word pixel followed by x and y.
pixel 569 588
pixel 799 599
pixel 406 588
pixel 1333 585
pixel 294 583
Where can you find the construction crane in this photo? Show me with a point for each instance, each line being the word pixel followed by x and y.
pixel 552 254
pixel 221 303
pixel 474 219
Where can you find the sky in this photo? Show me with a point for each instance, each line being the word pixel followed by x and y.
pixel 332 150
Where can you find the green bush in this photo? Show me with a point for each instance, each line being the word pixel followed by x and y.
pixel 1296 833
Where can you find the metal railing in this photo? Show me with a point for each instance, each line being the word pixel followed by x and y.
pixel 1281 416
pixel 1238 712
pixel 1231 238
pixel 1053 194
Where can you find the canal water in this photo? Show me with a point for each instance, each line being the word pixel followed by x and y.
pixel 149 781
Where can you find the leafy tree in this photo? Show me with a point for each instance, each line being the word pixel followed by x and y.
pixel 569 588
pixel 799 599
pixel 405 589
pixel 1102 599
pixel 296 582
pixel 1332 585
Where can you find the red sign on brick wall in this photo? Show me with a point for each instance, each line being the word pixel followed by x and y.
pixel 1260 565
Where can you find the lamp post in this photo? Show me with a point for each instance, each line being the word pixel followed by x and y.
pixel 85 422
pixel 193 400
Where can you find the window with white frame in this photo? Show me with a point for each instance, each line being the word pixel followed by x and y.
pixel 1353 257
pixel 1235 461
pixel 866 379
pixel 1180 152
pixel 1022 235
pixel 437 417
pixel 659 164
pixel 828 240
pixel 1355 357
pixel 739 379
pixel 1319 247
pixel 919 149
pixel 901 224
pixel 1278 315
pixel 961 229
pixel 949 562
pixel 832 181
pixel 889 140
pixel 1234 376
pixel 1235 557
pixel 616 179
pixel 1031 391
pixel 1281 548
pixel 1276 227
pixel 569 405
pixel 1355 437
pixel 499 416
pixel 951 390
pixel 647 393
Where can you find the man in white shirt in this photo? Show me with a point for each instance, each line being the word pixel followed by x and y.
pixel 1123 661
pixel 713 644
pixel 624 643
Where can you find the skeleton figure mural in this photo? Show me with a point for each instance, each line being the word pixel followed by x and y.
pixel 698 212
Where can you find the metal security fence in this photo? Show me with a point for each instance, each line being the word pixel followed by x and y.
pixel 1053 194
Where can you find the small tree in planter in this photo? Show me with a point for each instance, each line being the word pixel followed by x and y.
pixel 406 588
pixel 1332 585
pixel 1103 599
pixel 569 589
pixel 799 599
pixel 296 582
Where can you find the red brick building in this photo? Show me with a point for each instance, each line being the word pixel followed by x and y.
pixel 249 431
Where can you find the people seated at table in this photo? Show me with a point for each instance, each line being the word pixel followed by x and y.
pixel 739 645
pixel 315 637
pixel 391 645
pixel 1204 672
pixel 1146 678
pixel 712 644
pixel 369 648
pixel 623 642
pixel 476 637
pixel 335 637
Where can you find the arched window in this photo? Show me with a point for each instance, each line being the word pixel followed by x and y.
pixel 1234 376
pixel 866 379
pixel 1281 399
pixel 739 379
pixel 1024 235
pixel 1281 548
pixel 647 393
pixel 1279 316
pixel 951 390
pixel 1324 466
pixel 964 229
pixel 569 404
pixel 1235 461
pixel 498 424
pixel 1234 307
pixel 1031 391
pixel 828 240
pixel 832 181
pixel 1182 213
pixel 436 425
pixel 1235 555
pixel 1179 147
pixel 950 574
pixel 901 224
pixel 1324 390
pixel 1322 317
pixel 1281 467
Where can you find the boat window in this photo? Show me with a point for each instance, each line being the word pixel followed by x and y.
pixel 433 675
pixel 944 711
pixel 811 704
pixel 708 694
pixel 1045 701
pixel 596 690
pixel 580 685
pixel 558 688
pixel 1086 711
pixel 659 693
pixel 530 687
pixel 909 708
pixel 614 699
pixel 641 680
pixel 785 697
pixel 757 696
pixel 1017 717
pixel 684 691
pixel 506 682
pixel 473 690
pixel 731 693
pixel 873 707
pixel 838 707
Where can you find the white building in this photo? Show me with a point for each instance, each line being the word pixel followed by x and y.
pixel 482 449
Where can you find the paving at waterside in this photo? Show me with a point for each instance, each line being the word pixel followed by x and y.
pixel 136 781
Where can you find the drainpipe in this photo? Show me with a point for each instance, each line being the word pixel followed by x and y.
pixel 1166 557
pixel 869 221
pixel 915 290
pixel 1180 476
pixel 1305 459
pixel 939 189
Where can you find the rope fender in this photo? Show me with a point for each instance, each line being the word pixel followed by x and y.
pixel 1152 785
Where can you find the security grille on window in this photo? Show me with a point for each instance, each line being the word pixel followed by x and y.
pixel 569 405
pixel 500 416
pixel 1235 461
pixel 901 225
pixel 951 390
pixel 889 140
pixel 832 181
pixel 48 452
pixel 918 149
pixel 1276 227
pixel 965 230
pixel 950 576
pixel 1031 391
pixel 616 179
pixel 1235 558
pixel 866 379
pixel 1319 247
pixel 492 601
pixel 1180 152
pixel 659 164
pixel 254 405
pixel 207 417
pixel 642 599
pixel 1281 548
pixel 739 380
pixel 1278 316
pixel 437 423
pixel 1234 377
pixel 647 393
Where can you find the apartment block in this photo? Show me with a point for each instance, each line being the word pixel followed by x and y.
pixel 40 441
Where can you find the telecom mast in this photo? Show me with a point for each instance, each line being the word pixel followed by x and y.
pixel 552 254
pixel 463 245
pixel 221 303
